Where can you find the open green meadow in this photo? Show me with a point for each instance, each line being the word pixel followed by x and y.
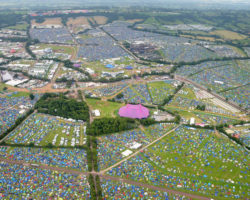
pixel 106 108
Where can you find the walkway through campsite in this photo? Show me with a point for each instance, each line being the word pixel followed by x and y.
pixel 140 150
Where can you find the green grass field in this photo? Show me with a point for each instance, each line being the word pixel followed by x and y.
pixel 20 94
pixel 59 48
pixel 106 108
pixel 19 27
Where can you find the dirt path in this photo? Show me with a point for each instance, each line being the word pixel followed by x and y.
pixel 153 187
pixel 43 166
pixel 77 172
pixel 138 151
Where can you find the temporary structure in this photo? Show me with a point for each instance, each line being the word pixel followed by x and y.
pixel 134 111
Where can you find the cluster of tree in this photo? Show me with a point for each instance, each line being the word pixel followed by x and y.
pixel 110 125
pixel 92 187
pixel 119 96
pixel 201 107
pixel 126 45
pixel 10 19
pixel 61 80
pixel 40 19
pixel 69 64
pixel 177 119
pixel 60 105
pixel 167 100
pixel 90 97
pixel 159 73
pixel 237 140
pixel 112 80
pixel 32 96
pixel 14 39
pixel 80 95
pixel 221 129
pixel 147 122
pixel 69 83
pixel 98 187
pixel 170 97
pixel 95 187
pixel 28 50
pixel 49 145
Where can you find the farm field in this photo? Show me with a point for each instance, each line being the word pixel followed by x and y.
pixel 100 19
pixel 77 21
pixel 20 27
pixel 48 21
pixel 78 24
pixel 229 35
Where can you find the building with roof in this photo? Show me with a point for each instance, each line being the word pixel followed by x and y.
pixel 6 76
pixel 134 111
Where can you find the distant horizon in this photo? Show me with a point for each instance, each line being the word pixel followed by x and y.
pixel 171 4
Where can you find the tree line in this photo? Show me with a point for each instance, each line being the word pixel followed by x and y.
pixel 110 125
pixel 60 105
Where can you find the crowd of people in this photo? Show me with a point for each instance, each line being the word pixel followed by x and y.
pixel 58 157
pixel 110 147
pixel 52 35
pixel 228 78
pixel 110 90
pixel 99 48
pixel 115 190
pixel 42 129
pixel 160 90
pixel 186 53
pixel 22 182
pixel 12 107
pixel 192 160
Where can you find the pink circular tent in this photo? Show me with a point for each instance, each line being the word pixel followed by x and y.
pixel 134 111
